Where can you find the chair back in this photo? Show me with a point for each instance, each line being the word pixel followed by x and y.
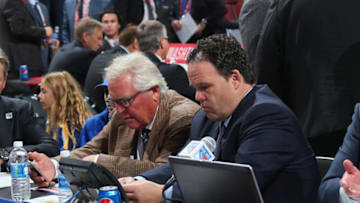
pixel 324 164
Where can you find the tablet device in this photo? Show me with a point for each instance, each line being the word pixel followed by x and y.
pixel 214 181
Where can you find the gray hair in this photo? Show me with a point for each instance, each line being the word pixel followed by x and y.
pixel 149 35
pixel 4 61
pixel 145 74
pixel 86 25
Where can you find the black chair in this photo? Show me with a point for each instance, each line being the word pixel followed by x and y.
pixel 324 164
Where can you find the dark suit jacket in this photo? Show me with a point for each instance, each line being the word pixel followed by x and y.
pixel 312 65
pixel 214 12
pixel 175 76
pixel 95 75
pixel 265 134
pixel 131 11
pixel 25 38
pixel 73 58
pixel 18 122
pixel 350 149
pixel 168 11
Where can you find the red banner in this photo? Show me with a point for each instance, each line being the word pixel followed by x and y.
pixel 179 52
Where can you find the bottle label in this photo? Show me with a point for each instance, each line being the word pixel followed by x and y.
pixel 19 170
pixel 63 183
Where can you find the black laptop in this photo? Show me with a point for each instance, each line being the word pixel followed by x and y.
pixel 214 181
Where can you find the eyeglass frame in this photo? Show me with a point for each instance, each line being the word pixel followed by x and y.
pixel 127 101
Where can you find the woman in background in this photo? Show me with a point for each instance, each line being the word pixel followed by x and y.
pixel 61 97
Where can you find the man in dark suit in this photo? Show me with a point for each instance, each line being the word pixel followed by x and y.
pixel 343 173
pixel 76 57
pixel 133 11
pixel 313 66
pixel 153 41
pixel 25 38
pixel 127 43
pixel 258 129
pixel 18 122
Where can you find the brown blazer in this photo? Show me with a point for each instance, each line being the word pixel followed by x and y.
pixel 116 142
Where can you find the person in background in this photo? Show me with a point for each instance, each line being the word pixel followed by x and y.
pixel 25 38
pixel 76 57
pixel 127 44
pixel 153 41
pixel 75 10
pixel 97 122
pixel 341 183
pixel 18 122
pixel 67 112
pixel 111 21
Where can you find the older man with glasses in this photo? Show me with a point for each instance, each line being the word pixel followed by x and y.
pixel 150 123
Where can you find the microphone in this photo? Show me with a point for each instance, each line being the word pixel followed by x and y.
pixel 200 149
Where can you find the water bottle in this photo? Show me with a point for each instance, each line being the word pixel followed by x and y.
pixel 64 186
pixel 20 184
pixel 54 37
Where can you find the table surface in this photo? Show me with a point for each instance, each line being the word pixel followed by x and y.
pixel 37 196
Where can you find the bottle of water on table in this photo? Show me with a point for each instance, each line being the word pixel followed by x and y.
pixel 20 183
pixel 64 186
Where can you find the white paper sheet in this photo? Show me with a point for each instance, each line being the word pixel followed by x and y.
pixel 188 30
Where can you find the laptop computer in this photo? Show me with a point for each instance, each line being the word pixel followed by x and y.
pixel 214 181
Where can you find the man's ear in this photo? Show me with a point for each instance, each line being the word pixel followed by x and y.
pixel 236 78
pixel 156 94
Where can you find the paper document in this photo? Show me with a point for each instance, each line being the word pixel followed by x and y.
pixel 188 29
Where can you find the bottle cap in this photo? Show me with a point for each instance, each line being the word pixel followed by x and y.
pixel 18 144
pixel 65 153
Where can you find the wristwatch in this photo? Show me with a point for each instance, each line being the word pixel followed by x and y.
pixel 204 21
pixel 4 154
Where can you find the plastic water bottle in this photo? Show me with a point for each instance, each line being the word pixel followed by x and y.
pixel 54 37
pixel 20 184
pixel 64 186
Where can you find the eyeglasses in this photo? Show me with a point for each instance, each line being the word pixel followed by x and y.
pixel 123 102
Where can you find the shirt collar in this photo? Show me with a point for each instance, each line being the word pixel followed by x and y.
pixel 149 127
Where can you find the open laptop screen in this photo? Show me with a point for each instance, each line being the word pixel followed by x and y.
pixel 213 181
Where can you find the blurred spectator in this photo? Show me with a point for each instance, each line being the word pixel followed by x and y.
pixel 25 37
pixel 97 122
pixel 342 181
pixel 127 43
pixel 153 41
pixel 136 11
pixel 251 21
pixel 67 112
pixel 18 122
pixel 168 12
pixel 313 66
pixel 41 16
pixel 76 57
pixel 75 10
pixel 111 21
pixel 208 14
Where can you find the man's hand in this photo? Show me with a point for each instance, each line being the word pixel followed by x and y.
pixel 176 24
pixel 201 28
pixel 126 180
pixel 47 168
pixel 351 180
pixel 48 32
pixel 90 158
pixel 142 191
pixel 1 161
